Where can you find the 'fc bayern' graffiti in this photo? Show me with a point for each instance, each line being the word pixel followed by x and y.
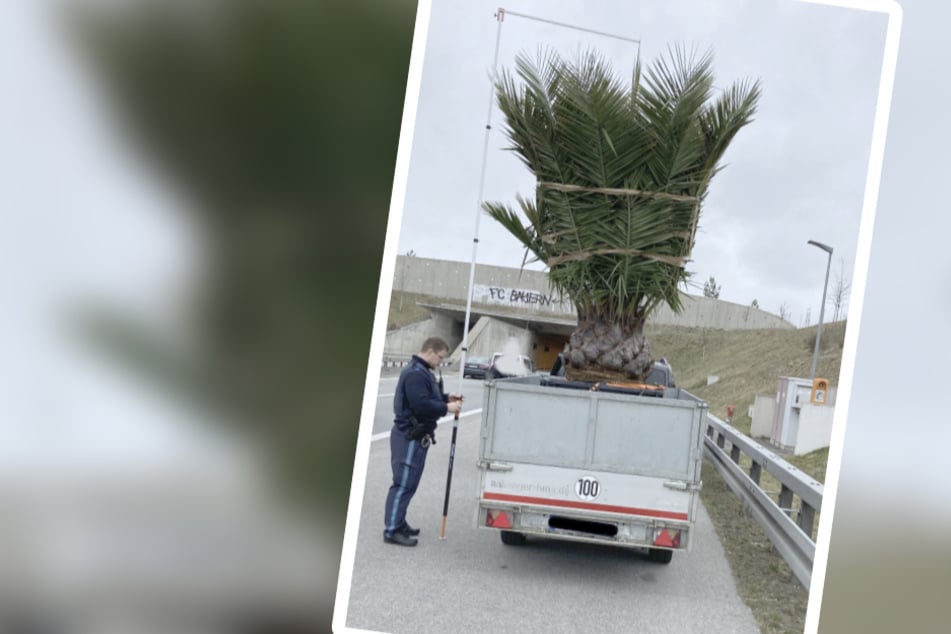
pixel 517 296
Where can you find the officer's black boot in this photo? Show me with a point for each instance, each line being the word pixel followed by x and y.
pixel 400 539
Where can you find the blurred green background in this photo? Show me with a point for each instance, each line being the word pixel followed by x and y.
pixel 278 122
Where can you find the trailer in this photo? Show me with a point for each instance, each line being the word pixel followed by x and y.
pixel 598 463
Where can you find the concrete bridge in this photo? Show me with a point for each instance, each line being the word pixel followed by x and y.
pixel 514 308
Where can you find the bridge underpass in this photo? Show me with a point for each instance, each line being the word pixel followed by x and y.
pixel 492 329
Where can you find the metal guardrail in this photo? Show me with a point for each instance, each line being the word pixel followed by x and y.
pixel 788 528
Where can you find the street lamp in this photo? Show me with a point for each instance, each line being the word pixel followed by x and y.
pixel 815 354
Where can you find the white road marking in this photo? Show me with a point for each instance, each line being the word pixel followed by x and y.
pixel 444 419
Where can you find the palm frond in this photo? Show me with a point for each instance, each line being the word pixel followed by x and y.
pixel 621 173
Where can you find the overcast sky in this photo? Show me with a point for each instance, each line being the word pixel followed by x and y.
pixel 797 173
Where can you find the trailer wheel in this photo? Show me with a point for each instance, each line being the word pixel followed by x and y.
pixel 511 538
pixel 661 556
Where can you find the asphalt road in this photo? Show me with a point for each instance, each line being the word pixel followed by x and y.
pixel 471 582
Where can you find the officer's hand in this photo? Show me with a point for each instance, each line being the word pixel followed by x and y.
pixel 455 397
pixel 454 407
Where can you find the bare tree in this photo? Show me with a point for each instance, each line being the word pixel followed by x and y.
pixel 839 295
pixel 755 304
pixel 784 312
pixel 807 319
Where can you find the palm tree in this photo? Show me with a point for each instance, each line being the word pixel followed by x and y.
pixel 620 179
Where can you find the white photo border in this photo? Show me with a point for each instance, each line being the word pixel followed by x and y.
pixel 860 270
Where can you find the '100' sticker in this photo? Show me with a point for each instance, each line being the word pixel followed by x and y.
pixel 587 488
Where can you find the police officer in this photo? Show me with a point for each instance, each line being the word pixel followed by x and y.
pixel 418 404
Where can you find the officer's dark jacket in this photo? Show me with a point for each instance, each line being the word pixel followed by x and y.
pixel 418 393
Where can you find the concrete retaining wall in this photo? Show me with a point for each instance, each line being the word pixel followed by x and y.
pixel 706 312
pixel 449 279
pixel 530 290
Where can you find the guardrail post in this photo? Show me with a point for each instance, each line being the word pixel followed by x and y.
pixel 756 470
pixel 735 454
pixel 785 499
pixel 721 440
pixel 807 518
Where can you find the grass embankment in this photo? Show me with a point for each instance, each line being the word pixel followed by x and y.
pixel 747 362
pixel 404 310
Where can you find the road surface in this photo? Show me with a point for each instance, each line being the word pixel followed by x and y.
pixel 471 582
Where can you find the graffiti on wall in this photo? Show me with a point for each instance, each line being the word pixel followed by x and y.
pixel 517 297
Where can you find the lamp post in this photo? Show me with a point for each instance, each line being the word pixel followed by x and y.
pixel 815 354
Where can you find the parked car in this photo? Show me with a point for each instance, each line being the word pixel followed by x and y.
pixel 475 368
pixel 661 374
pixel 503 366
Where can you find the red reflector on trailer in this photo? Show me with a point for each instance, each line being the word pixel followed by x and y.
pixel 497 519
pixel 664 538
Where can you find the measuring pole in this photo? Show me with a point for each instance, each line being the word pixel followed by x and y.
pixel 499 16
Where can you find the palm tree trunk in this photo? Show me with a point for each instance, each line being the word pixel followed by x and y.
pixel 601 349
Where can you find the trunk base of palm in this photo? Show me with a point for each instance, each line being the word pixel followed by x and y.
pixel 601 350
